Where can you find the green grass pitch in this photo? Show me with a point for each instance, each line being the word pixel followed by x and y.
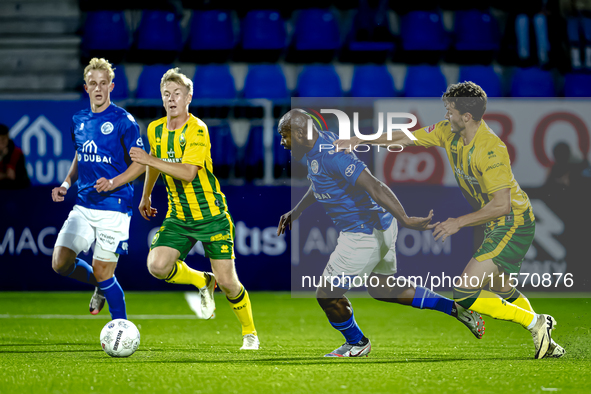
pixel 413 351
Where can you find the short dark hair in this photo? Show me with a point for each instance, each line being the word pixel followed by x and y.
pixel 3 129
pixel 466 97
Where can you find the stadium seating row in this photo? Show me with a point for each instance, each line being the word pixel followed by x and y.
pixel 317 37
pixel 268 81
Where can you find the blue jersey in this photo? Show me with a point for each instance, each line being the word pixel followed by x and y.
pixel 333 176
pixel 102 142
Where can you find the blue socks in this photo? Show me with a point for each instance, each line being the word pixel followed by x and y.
pixel 427 299
pixel 350 330
pixel 115 298
pixel 82 272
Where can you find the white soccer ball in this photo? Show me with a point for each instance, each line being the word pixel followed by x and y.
pixel 120 338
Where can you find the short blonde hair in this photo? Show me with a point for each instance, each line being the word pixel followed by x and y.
pixel 100 64
pixel 175 75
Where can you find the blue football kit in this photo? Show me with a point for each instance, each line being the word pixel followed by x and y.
pixel 102 142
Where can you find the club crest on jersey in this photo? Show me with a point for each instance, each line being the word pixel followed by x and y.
pixel 107 128
pixel 139 142
pixel 182 139
pixel 314 166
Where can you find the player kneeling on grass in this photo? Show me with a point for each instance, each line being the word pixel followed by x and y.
pixel 197 210
pixel 366 212
pixel 102 136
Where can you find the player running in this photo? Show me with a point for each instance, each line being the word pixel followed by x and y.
pixel 102 137
pixel 482 168
pixel 197 209
pixel 365 211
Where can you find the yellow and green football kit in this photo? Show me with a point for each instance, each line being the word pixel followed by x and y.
pixel 481 168
pixel 197 210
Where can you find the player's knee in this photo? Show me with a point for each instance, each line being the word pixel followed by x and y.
pixel 228 284
pixel 60 263
pixel 158 269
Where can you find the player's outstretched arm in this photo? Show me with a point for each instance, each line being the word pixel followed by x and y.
pixel 498 206
pixel 181 171
pixel 145 207
pixel 58 193
pixel 398 137
pixel 132 172
pixel 386 198
pixel 289 217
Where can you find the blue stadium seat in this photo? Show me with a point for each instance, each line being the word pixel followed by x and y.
pixel 97 37
pixel 214 81
pixel 121 89
pixel 577 85
pixel 263 29
pixel 317 29
pixel 265 81
pixel 372 81
pixel 423 31
pixel 223 150
pixel 319 81
pixel 158 38
pixel 476 30
pixel 148 84
pixel 485 76
pixel 254 156
pixel 532 82
pixel 211 30
pixel 424 81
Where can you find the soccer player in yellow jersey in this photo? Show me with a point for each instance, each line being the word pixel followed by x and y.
pixel 197 209
pixel 481 165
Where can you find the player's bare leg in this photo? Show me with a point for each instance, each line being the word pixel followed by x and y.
pixel 227 279
pixel 65 263
pixel 387 290
pixel 164 263
pixel 473 296
pixel 339 311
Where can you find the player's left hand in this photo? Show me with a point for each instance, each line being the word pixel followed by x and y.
pixel 104 185
pixel 445 229
pixel 138 155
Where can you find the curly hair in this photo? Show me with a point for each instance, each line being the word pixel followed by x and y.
pixel 466 97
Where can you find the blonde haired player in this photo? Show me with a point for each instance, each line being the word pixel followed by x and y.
pixel 102 135
pixel 480 162
pixel 197 208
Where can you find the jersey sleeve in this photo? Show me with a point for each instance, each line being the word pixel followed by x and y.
pixel 495 166
pixel 346 166
pixel 198 145
pixel 432 135
pixel 131 134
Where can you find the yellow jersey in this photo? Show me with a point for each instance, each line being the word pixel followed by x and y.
pixel 202 198
pixel 481 167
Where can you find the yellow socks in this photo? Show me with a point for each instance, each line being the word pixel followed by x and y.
pixel 491 304
pixel 183 274
pixel 241 307
pixel 515 297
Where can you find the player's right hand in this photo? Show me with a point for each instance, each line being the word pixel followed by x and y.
pixel 58 193
pixel 285 220
pixel 421 224
pixel 347 145
pixel 146 209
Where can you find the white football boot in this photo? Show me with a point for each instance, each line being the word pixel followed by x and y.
pixel 250 342
pixel 472 320
pixel 542 334
pixel 360 349
pixel 97 301
pixel 207 300
pixel 554 350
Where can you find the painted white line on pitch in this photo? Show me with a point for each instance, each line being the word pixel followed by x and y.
pixel 194 300
pixel 86 317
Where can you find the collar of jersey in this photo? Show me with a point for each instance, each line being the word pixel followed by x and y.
pixel 109 109
pixel 316 148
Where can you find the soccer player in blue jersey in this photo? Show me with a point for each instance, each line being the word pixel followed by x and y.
pixel 102 136
pixel 365 211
